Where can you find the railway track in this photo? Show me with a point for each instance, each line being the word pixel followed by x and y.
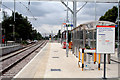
pixel 11 61
pixel 17 52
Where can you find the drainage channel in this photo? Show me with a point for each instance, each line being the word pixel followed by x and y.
pixel 55 69
pixel 55 57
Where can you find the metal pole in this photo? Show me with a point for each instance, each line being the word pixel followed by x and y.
pixel 74 13
pixel 104 76
pixel 118 26
pixel 14 10
pixel 1 27
pixel 67 31
pixel 61 34
pixel 95 11
pixel 95 26
pixel 71 28
pixel 14 23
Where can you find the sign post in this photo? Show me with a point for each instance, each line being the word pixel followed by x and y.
pixel 118 27
pixel 105 43
pixel 104 77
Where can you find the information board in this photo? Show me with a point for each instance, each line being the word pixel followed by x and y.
pixel 105 39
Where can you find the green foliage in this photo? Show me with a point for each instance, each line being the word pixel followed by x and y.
pixel 23 28
pixel 24 42
pixel 87 47
pixel 116 45
pixel 59 34
pixel 110 15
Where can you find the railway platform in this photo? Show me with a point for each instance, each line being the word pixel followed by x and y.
pixel 10 48
pixel 51 62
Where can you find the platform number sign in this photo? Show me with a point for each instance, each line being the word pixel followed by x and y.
pixel 105 39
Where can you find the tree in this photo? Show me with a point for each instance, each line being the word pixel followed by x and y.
pixel 23 28
pixel 111 15
pixel 59 34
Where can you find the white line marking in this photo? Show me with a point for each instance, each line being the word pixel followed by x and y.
pixel 29 62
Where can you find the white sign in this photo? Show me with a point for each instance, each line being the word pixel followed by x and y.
pixel 105 39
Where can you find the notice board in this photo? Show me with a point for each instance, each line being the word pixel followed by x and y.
pixel 105 42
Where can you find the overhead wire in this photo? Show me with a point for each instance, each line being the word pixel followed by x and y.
pixel 28 10
pixel 24 6
pixel 7 7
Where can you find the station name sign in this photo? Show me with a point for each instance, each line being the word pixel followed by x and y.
pixel 105 39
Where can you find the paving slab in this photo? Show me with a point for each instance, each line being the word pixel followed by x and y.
pixel 36 67
pixel 69 66
pixel 52 62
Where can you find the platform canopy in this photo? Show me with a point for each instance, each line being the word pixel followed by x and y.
pixel 92 24
pixel 97 1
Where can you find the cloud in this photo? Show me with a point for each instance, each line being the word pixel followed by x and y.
pixel 88 12
pixel 9 12
pixel 100 8
pixel 49 29
pixel 51 15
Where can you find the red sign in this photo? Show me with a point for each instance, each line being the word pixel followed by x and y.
pixel 106 26
pixel 64 23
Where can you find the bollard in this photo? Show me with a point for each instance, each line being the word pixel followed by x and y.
pixel 79 60
pixel 99 63
pixel 82 59
pixel 94 58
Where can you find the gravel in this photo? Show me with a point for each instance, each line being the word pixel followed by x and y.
pixel 14 70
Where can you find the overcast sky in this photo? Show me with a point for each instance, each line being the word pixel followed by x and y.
pixel 51 15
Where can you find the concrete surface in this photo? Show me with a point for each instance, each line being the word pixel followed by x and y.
pixel 8 49
pixel 52 56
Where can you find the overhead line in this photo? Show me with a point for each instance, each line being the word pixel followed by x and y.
pixel 28 10
pixel 7 7
pixel 81 7
pixel 23 5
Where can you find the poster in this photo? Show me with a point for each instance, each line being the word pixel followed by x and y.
pixel 105 39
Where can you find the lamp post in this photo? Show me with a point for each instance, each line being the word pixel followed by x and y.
pixel 67 31
pixel 14 23
pixel 118 26
pixel 0 23
pixel 13 29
